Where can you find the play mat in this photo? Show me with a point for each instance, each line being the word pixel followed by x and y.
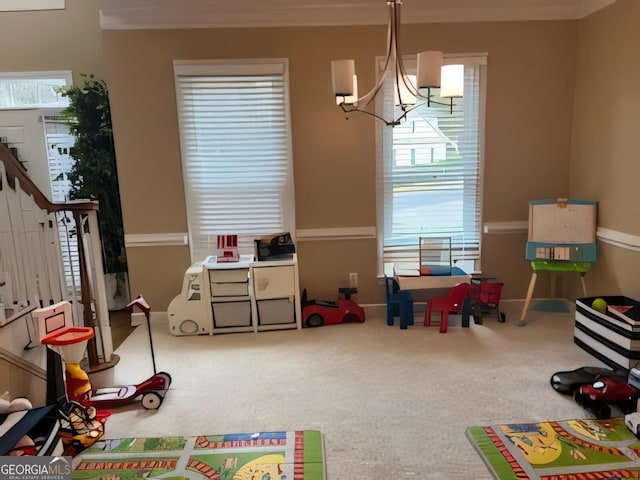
pixel 569 449
pixel 296 455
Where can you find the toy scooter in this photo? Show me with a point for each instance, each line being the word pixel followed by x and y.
pixel 153 389
pixel 70 343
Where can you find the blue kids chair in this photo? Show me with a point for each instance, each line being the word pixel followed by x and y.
pixel 399 303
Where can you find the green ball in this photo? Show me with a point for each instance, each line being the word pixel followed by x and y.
pixel 600 305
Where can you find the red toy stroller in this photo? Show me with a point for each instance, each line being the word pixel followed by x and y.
pixel 484 294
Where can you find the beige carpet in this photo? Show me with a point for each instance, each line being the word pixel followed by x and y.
pixel 391 404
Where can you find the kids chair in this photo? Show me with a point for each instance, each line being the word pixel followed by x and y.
pixel 452 303
pixel 399 303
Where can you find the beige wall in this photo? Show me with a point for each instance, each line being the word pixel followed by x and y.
pixel 604 158
pixel 529 105
pixel 530 149
pixel 67 39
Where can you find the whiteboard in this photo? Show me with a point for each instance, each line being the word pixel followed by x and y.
pixel 562 221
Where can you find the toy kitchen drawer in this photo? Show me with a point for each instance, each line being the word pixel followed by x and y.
pixel 229 275
pixel 229 282
pixel 276 311
pixel 231 314
pixel 229 289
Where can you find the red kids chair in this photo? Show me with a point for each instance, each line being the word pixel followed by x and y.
pixel 452 303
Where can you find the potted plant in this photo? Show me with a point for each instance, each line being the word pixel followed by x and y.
pixel 94 176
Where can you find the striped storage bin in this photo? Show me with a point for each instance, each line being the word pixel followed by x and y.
pixel 606 336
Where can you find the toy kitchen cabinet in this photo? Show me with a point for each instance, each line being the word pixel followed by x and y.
pixel 276 294
pixel 242 296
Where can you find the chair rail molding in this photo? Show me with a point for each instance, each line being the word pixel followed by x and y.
pixel 619 239
pixel 155 239
pixel 514 226
pixel 605 235
pixel 348 233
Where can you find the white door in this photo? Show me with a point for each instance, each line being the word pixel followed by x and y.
pixel 24 131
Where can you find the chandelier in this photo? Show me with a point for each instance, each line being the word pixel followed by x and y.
pixel 430 74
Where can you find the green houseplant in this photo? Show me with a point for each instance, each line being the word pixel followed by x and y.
pixel 94 174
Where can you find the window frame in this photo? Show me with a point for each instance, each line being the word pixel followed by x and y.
pixel 65 75
pixel 29 5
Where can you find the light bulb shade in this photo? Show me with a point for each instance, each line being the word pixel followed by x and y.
pixel 342 73
pixel 452 84
pixel 406 96
pixel 349 99
pixel 429 65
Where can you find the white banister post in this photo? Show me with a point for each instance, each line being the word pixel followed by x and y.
pixel 99 290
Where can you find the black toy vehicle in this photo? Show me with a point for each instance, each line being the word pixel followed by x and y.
pixel 569 382
pixel 598 396
pixel 597 389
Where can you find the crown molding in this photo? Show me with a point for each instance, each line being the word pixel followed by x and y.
pixel 167 14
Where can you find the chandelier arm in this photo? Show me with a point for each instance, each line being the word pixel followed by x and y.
pixel 395 21
pixel 405 112
pixel 430 101
pixel 401 73
pixel 388 123
pixel 367 97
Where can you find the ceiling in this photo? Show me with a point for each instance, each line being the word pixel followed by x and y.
pixel 136 14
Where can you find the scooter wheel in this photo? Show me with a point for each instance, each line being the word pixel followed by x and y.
pixel 151 400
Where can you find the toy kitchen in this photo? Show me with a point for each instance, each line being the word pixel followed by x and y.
pixel 230 293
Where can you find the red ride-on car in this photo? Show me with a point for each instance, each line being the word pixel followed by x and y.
pixel 316 313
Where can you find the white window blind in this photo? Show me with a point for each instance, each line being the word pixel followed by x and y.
pixel 236 151
pixel 59 143
pixel 428 173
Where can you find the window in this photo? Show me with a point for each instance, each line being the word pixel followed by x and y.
pixel 23 5
pixel 428 172
pixel 33 89
pixel 236 151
